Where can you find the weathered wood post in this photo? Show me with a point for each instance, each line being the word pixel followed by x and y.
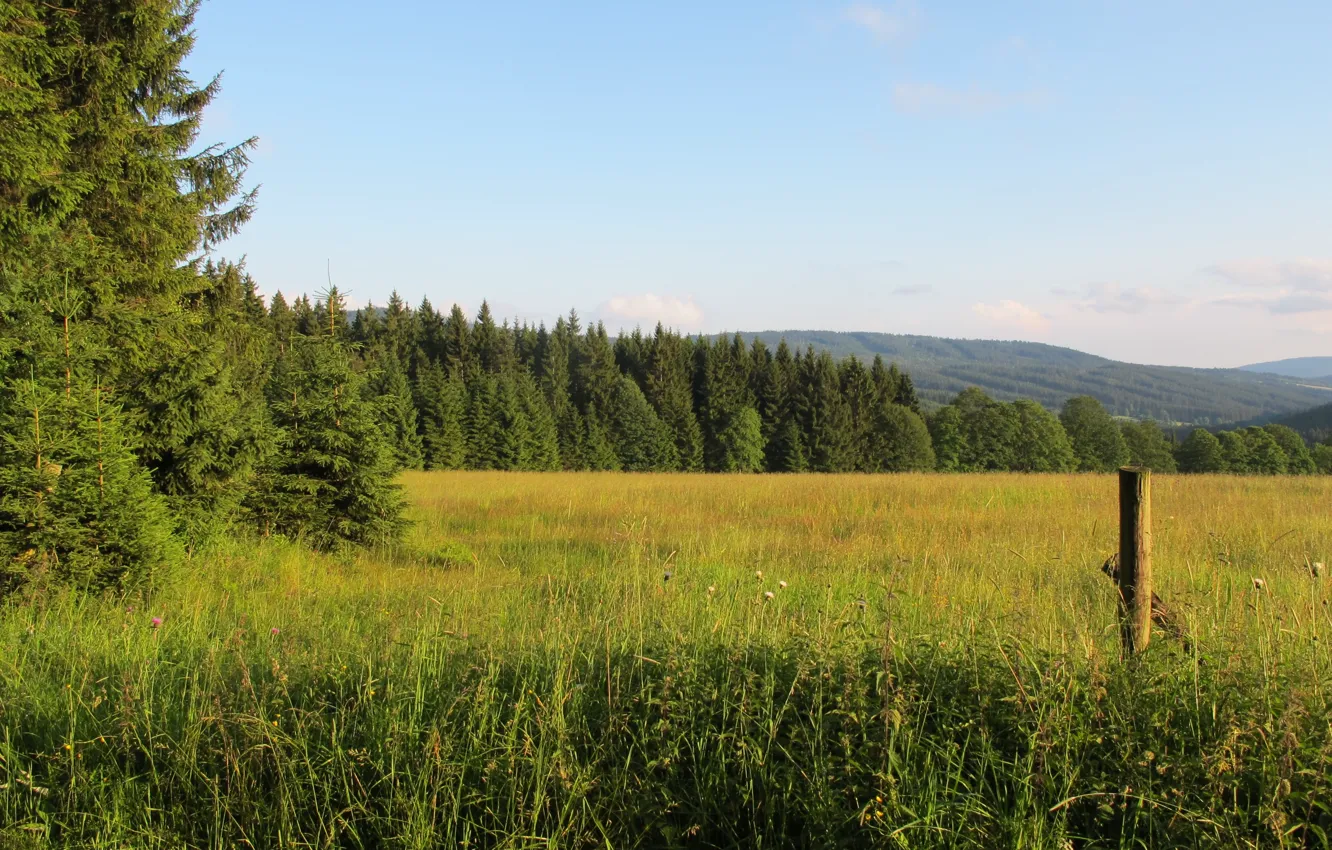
pixel 1135 557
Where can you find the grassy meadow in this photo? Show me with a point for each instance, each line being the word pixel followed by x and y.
pixel 617 660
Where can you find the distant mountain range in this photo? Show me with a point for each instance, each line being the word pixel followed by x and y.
pixel 1316 368
pixel 1049 374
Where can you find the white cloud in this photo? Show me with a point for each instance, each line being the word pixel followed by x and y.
pixel 648 309
pixel 886 25
pixel 1280 302
pixel 929 97
pixel 1303 275
pixel 1012 314
pixel 1281 287
pixel 1113 298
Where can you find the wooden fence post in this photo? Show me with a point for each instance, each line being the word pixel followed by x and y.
pixel 1135 558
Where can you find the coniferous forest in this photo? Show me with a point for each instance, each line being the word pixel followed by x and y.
pixel 152 397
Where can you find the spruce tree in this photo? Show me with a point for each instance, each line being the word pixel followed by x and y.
pixel 861 400
pixel 367 328
pixel 331 480
pixel 484 440
pixel 886 381
pixel 906 391
pixel 486 342
pixel 512 440
pixel 441 407
pixel 543 449
pixel 76 505
pixel 596 377
pixel 528 345
pixel 785 451
pixel 281 323
pixel 107 190
pixel 555 372
pixel 669 388
pixel 391 394
pixel 721 392
pixel 823 413
pixel 429 343
pixel 457 344
pixel 632 355
pixel 596 451
pixel 399 330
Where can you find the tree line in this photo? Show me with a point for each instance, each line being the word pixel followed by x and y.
pixel 151 399
pixel 975 433
pixel 668 402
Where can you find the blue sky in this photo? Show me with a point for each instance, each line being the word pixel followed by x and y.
pixel 1144 180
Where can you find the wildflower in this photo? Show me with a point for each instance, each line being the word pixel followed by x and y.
pixel 712 588
pixel 758 574
pixel 1318 569
pixel 861 603
pixel 274 631
pixel 157 621
pixel 668 575
pixel 68 747
pixel 129 610
pixel 767 594
pixel 781 584
pixel 1259 584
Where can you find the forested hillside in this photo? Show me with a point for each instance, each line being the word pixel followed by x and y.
pixel 941 368
pixel 1308 368
pixel 1315 424
pixel 488 396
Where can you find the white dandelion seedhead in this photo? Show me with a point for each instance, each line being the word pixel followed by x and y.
pixel 781 584
pixel 768 594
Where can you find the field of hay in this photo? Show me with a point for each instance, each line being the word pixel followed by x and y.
pixel 616 660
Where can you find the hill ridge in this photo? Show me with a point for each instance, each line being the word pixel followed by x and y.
pixel 941 367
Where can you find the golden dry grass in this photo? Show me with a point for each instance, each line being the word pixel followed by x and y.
pixel 1013 555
